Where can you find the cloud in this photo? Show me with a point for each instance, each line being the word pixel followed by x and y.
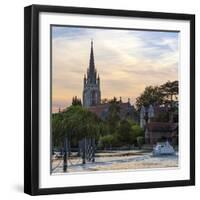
pixel 126 60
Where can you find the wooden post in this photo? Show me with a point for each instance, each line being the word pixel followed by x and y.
pixel 65 157
pixel 79 147
pixel 69 148
pixel 88 149
pixel 93 149
pixel 84 150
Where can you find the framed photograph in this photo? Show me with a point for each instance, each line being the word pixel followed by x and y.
pixel 109 99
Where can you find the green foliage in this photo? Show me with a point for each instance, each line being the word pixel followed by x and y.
pixel 75 122
pixel 166 93
pixel 57 129
pixel 125 134
pixel 114 115
pixel 170 90
pixel 107 141
pixel 140 141
pixel 137 130
pixel 151 95
pixel 128 132
pixel 104 128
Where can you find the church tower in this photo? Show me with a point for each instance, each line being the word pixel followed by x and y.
pixel 91 84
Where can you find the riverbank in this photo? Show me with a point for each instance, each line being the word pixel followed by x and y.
pixel 118 160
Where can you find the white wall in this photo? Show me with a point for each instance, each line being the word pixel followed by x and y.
pixel 11 99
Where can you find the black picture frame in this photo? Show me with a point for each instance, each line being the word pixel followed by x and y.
pixel 31 98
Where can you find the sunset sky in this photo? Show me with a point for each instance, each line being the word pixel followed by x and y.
pixel 126 60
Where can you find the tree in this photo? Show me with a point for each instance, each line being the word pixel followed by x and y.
pixel 151 95
pixel 163 94
pixel 170 90
pixel 57 129
pixel 104 128
pixel 140 141
pixel 137 131
pixel 107 141
pixel 76 123
pixel 125 134
pixel 76 101
pixel 113 117
pixel 105 100
pixel 81 122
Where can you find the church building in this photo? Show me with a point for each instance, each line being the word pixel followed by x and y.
pixel 92 94
pixel 91 90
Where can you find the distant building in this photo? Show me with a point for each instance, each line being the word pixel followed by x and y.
pixel 157 130
pixel 126 110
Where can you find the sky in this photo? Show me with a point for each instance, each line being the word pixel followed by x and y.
pixel 127 61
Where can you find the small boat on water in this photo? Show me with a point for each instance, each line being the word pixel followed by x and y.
pixel 163 148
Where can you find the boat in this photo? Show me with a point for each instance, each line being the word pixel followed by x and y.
pixel 163 148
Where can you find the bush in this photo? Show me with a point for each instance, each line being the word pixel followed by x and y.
pixel 140 141
pixel 124 132
pixel 106 141
pixel 128 132
pixel 137 130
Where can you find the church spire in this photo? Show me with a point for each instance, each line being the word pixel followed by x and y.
pixel 91 64
pixel 91 74
pixel 91 91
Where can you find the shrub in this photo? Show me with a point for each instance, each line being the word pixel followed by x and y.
pixel 137 130
pixel 124 132
pixel 140 141
pixel 106 141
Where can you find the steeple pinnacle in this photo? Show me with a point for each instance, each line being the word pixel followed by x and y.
pixel 91 43
pixel 91 64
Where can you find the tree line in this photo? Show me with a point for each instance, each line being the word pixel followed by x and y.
pixel 166 93
pixel 76 122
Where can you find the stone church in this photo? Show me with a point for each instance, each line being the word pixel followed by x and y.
pixel 92 94
pixel 91 91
